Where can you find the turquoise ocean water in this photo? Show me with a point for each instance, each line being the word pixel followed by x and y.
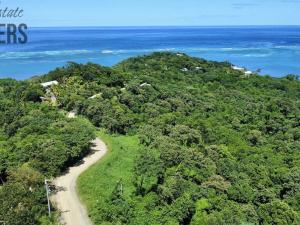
pixel 273 49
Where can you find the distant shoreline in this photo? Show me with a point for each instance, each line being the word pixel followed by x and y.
pixel 235 67
pixel 38 75
pixel 273 49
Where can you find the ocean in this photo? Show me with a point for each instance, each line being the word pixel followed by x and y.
pixel 273 49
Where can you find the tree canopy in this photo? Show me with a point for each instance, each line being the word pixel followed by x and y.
pixel 216 146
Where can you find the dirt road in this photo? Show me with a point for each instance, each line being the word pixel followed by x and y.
pixel 66 200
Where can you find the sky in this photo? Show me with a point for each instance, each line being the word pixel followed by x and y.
pixel 39 13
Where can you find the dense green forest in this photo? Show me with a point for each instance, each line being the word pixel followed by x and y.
pixel 37 141
pixel 216 146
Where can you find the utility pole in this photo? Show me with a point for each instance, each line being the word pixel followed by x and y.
pixel 48 199
pixel 120 187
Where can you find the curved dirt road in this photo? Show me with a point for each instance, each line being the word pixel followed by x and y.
pixel 66 199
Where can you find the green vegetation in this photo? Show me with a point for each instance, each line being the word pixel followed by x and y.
pixel 113 173
pixel 37 141
pixel 204 144
pixel 216 146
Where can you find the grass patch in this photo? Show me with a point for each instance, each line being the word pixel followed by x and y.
pixel 97 183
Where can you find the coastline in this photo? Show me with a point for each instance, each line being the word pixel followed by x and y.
pixel 273 49
pixel 234 66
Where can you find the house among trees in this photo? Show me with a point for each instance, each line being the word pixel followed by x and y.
pixel 49 84
pixel 49 94
pixel 238 68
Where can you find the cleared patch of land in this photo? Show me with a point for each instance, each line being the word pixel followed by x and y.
pixel 97 183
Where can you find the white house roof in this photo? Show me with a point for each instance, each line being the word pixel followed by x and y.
pixel 184 69
pixel 238 68
pixel 95 96
pixel 50 83
pixel 145 84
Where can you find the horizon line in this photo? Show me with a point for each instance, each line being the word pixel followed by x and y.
pixel 164 26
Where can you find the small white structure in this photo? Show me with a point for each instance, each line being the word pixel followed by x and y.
pixel 198 68
pixel 248 73
pixel 95 96
pixel 178 54
pixel 237 68
pixel 49 84
pixel 145 84
pixel 184 69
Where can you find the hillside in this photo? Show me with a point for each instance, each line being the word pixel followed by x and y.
pixel 216 145
pixel 37 142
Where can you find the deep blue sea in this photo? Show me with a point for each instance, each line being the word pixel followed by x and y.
pixel 275 50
